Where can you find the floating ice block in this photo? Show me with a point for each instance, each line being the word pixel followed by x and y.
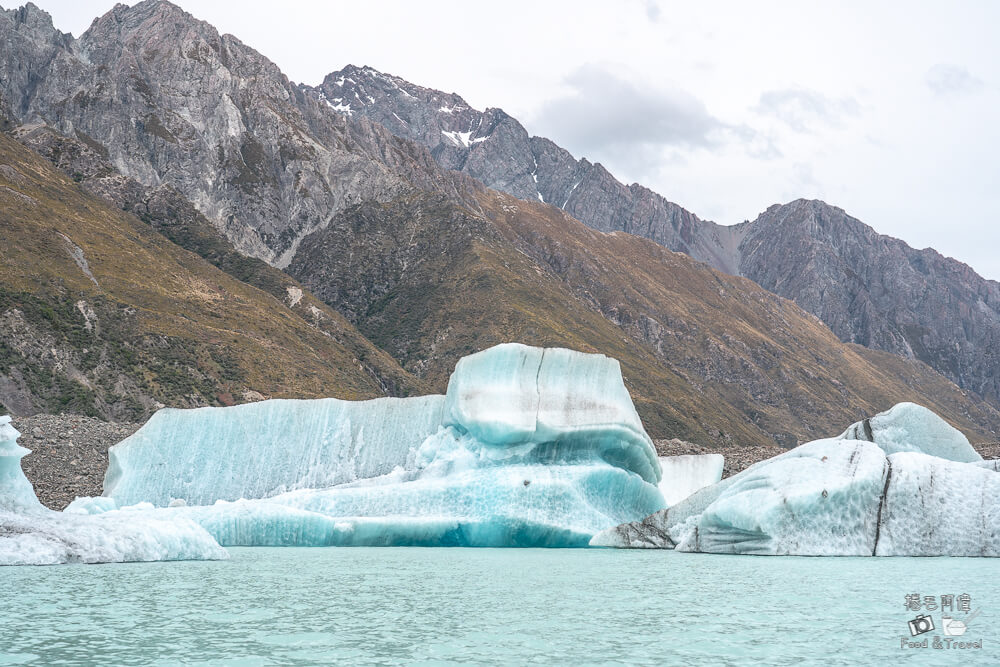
pixel 512 394
pixel 935 507
pixel 262 449
pixel 16 493
pixel 31 534
pixel 820 499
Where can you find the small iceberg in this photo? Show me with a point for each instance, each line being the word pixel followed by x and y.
pixel 685 474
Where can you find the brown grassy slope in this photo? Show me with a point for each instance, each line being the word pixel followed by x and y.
pixel 164 324
pixel 707 357
pixel 781 368
pixel 173 216
pixel 429 282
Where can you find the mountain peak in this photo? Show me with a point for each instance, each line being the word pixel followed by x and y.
pixel 145 16
pixel 31 15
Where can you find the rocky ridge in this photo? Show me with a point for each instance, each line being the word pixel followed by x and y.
pixel 168 100
pixel 877 291
pixel 494 148
pixel 870 289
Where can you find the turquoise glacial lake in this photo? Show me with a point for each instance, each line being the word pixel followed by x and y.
pixel 270 606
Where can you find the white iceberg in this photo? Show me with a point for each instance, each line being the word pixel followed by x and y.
pixel 16 493
pixel 883 495
pixel 908 427
pixel 565 403
pixel 262 449
pixel 819 499
pixel 934 507
pixel 31 534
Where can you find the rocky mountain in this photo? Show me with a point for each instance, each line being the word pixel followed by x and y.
pixel 100 314
pixel 879 292
pixel 170 100
pixel 216 151
pixel 870 289
pixel 495 149
pixel 165 210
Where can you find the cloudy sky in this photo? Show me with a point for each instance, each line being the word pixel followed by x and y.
pixel 890 110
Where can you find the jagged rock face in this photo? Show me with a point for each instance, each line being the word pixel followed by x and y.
pixel 495 149
pixel 878 292
pixel 172 101
pixel 30 44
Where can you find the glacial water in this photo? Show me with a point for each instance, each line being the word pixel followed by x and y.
pixel 501 606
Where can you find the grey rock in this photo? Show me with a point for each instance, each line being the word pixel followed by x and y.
pixel 877 291
pixel 169 101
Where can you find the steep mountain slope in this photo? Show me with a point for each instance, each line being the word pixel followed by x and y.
pixel 169 100
pixel 879 292
pixel 707 357
pixel 494 148
pixel 101 314
pixel 870 289
pixel 170 214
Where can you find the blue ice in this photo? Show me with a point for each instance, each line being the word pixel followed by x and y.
pixel 529 447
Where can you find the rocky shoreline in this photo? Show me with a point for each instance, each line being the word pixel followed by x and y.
pixel 70 454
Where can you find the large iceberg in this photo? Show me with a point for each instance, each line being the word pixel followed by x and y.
pixel 529 447
pixel 880 496
pixel 819 499
pixel 31 534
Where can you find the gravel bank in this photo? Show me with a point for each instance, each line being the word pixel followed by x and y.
pixel 738 458
pixel 69 454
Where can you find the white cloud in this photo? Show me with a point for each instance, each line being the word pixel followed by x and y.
pixel 803 109
pixel 945 79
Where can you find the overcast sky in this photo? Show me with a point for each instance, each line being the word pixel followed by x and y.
pixel 890 110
